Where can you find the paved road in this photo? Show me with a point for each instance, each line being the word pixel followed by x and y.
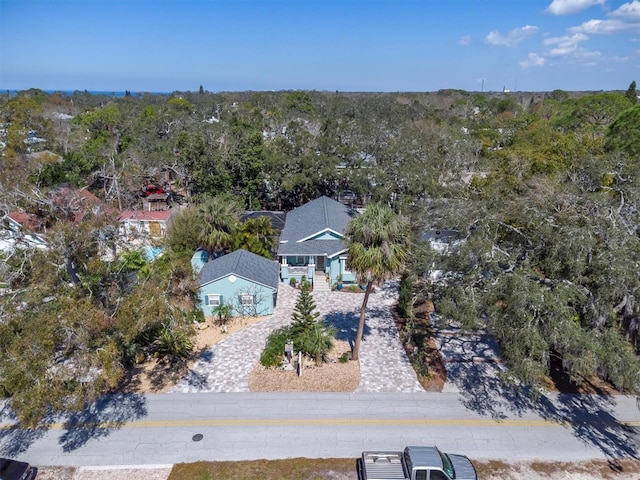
pixel 162 428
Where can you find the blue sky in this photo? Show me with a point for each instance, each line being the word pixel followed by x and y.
pixel 346 45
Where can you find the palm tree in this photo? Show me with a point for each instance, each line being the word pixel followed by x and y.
pixel 378 243
pixel 219 217
pixel 256 236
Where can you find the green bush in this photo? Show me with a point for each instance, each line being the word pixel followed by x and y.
pixel 274 349
pixel 315 342
pixel 174 343
pixel 405 296
pixel 197 315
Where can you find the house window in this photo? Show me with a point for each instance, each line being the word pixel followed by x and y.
pixel 246 299
pixel 213 300
pixel 345 265
pixel 300 260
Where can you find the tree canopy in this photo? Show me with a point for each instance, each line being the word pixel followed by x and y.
pixel 542 188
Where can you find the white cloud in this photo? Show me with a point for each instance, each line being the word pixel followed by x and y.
pixel 513 38
pixel 582 54
pixel 568 48
pixel 565 45
pixel 533 60
pixel 567 7
pixel 629 12
pixel 466 40
pixel 624 19
pixel 605 27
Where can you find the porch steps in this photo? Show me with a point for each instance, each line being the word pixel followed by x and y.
pixel 320 284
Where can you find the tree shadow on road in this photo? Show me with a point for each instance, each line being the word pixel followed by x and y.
pixel 100 418
pixel 590 417
pixel 593 421
pixel 16 439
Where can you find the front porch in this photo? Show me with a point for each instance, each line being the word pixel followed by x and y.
pixel 322 271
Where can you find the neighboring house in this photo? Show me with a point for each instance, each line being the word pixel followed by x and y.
pixel 442 241
pixel 144 224
pixel 16 231
pixel 77 203
pixel 312 242
pixel 244 280
pixel 154 198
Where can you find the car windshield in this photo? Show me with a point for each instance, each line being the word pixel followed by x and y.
pixel 446 464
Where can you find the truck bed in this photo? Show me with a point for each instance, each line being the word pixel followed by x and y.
pixel 382 466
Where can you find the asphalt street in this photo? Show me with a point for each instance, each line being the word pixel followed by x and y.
pixel 172 428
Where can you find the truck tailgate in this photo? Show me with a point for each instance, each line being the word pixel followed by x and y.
pixel 383 466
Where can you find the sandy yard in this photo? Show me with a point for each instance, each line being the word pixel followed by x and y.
pixel 333 376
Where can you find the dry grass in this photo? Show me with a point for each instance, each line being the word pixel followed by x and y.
pixel 290 469
pixel 344 469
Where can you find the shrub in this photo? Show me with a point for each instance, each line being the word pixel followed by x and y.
pixel 274 349
pixel 174 343
pixel 315 342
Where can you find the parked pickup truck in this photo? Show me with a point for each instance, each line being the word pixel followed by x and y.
pixel 15 470
pixel 415 463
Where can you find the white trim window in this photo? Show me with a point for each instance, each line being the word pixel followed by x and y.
pixel 214 300
pixel 344 266
pixel 246 299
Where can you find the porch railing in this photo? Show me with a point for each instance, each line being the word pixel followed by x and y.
pixel 297 270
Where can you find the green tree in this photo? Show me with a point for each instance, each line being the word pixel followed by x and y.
pixel 311 336
pixel 594 112
pixel 222 312
pixel 305 314
pixel 378 243
pixel 219 217
pixel 182 237
pixel 631 93
pixel 256 235
pixel 624 133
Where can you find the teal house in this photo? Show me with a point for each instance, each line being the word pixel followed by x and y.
pixel 245 281
pixel 312 243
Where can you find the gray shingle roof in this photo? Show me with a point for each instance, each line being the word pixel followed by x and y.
pixel 242 264
pixel 277 218
pixel 314 217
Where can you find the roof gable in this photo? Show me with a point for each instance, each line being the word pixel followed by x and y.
pixel 243 264
pixel 315 217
